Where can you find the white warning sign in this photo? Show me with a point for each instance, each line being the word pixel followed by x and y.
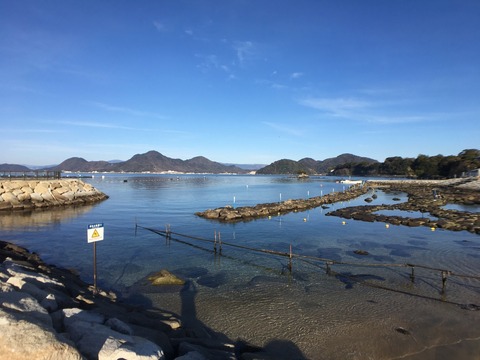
pixel 95 232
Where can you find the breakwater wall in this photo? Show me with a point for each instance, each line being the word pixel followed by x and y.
pixel 49 313
pixel 246 213
pixel 32 194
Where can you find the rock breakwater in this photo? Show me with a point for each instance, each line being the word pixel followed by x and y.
pixel 33 194
pixel 425 197
pixel 47 313
pixel 246 213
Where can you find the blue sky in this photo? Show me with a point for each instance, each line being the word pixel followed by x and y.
pixel 238 81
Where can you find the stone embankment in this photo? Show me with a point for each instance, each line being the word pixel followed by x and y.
pixel 47 313
pixel 427 197
pixel 246 213
pixel 424 196
pixel 33 194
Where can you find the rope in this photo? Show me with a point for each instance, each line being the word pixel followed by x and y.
pixel 324 260
pixel 308 259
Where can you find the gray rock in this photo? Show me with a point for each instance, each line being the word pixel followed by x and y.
pixel 137 349
pixel 25 303
pixel 21 338
pixel 119 325
pixel 27 274
pixel 46 299
pixel 71 316
pixel 192 355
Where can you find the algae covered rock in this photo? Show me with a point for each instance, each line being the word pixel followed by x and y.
pixel 164 277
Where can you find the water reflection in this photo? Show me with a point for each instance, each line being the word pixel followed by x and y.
pixel 405 213
pixel 39 218
pixel 462 207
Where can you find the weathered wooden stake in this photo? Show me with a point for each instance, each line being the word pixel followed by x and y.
pixel 168 235
pixel 290 265
pixel 329 271
pixel 412 275
pixel 444 281
pixel 215 242
pixel 220 243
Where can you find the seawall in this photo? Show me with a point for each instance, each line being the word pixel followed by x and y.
pixel 33 194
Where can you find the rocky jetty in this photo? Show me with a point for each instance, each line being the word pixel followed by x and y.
pixel 427 198
pixel 246 213
pixel 424 196
pixel 49 313
pixel 33 194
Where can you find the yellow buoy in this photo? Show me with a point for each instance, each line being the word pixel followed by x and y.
pixel 304 219
pixel 343 222
pixel 432 228
pixel 387 225
pixel 269 217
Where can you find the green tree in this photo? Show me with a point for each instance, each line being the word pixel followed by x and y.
pixel 396 165
pixel 426 167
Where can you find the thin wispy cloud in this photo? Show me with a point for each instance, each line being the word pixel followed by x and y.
pixel 212 62
pixel 341 107
pixel 382 112
pixel 159 26
pixel 128 111
pixel 293 131
pixel 101 125
pixel 32 131
pixel 296 75
pixel 244 51
pixel 271 84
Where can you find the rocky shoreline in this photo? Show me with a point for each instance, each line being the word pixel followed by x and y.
pixel 425 196
pixel 49 313
pixel 35 194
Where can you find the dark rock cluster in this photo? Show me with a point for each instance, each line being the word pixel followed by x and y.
pixel 246 213
pixel 426 198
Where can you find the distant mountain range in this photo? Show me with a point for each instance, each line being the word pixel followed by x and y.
pixel 155 162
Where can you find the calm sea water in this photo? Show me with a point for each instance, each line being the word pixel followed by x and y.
pixel 252 296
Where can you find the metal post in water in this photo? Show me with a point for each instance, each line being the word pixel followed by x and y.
pixel 95 291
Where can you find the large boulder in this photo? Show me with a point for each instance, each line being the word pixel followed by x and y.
pixel 24 338
pixel 137 349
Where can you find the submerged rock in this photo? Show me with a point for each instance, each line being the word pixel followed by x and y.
pixel 361 252
pixel 164 277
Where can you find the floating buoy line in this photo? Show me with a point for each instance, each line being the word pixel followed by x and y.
pixel 218 246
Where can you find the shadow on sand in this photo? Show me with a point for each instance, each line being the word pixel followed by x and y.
pixel 198 339
pixel 275 349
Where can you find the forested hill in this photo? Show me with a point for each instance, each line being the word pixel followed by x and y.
pixel 311 166
pixel 422 167
pixel 151 161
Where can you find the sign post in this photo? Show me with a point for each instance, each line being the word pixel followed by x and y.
pixel 94 234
